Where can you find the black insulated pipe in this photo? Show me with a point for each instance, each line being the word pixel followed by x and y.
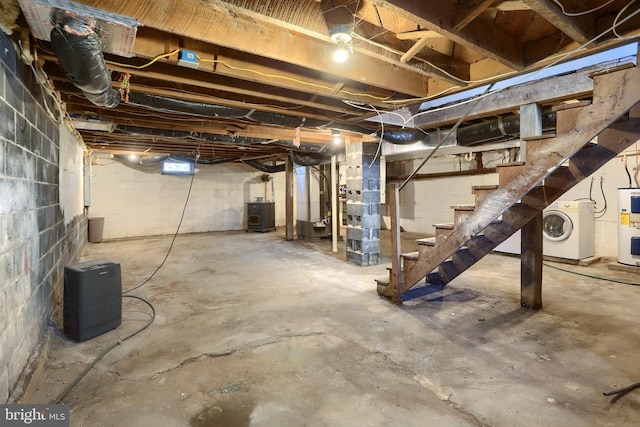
pixel 79 50
pixel 161 103
pixel 264 168
pixel 492 130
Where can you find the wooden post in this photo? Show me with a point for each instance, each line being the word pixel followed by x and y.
pixel 289 198
pixel 334 204
pixel 396 271
pixel 531 264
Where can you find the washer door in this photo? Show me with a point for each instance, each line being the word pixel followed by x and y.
pixel 556 226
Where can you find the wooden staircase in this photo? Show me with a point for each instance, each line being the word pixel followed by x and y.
pixel 552 166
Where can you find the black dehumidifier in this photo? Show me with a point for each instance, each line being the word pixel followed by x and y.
pixel 92 299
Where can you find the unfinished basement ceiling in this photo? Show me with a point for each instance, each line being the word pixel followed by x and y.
pixel 270 62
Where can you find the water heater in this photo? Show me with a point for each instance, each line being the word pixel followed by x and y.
pixel 629 226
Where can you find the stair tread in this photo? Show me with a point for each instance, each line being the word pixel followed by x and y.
pixel 428 241
pixel 484 187
pixel 447 225
pixel 383 281
pixel 468 207
pixel 502 165
pixel 538 137
pixel 410 255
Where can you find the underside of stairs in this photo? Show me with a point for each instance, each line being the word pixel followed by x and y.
pixel 552 166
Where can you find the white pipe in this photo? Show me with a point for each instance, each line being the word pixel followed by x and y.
pixel 334 205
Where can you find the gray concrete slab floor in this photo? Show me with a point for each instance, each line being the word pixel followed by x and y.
pixel 252 330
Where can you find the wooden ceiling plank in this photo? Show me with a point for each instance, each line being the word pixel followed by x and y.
pixel 419 34
pixel 149 44
pixel 510 99
pixel 580 29
pixel 164 72
pixel 472 14
pixel 223 24
pixel 414 49
pixel 440 16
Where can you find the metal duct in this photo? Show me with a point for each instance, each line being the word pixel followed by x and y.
pixel 265 168
pixel 402 137
pixel 225 139
pixel 79 51
pixel 482 133
pixel 479 133
pixel 161 103
pixel 309 159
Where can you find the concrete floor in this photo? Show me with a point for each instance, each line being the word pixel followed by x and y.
pixel 254 330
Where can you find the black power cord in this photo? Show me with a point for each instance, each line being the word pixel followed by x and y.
pixel 619 392
pixel 124 295
pixel 107 350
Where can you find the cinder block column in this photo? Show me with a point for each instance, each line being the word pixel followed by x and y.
pixel 363 204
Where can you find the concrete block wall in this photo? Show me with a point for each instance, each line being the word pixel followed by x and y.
pixel 363 204
pixel 36 240
pixel 135 203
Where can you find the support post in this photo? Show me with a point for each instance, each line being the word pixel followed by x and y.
pixel 531 264
pixel 334 205
pixel 530 125
pixel 289 198
pixel 396 270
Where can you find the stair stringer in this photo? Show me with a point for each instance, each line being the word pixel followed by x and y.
pixel 614 95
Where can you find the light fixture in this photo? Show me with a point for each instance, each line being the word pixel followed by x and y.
pixel 336 136
pixel 340 35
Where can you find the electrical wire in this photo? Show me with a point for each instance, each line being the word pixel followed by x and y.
pixel 589 275
pixel 107 350
pixel 140 67
pixel 381 136
pixel 586 12
pixel 615 22
pixel 124 295
pixel 560 57
pixel 446 137
pixel 621 391
pixel 175 235
pixel 292 79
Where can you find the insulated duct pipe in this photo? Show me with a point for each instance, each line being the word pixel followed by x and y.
pixel 481 133
pixel 475 134
pixel 78 48
pixel 238 140
pixel 161 103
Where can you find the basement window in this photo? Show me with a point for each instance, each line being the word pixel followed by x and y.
pixel 175 167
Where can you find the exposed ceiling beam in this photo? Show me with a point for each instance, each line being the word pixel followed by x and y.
pixel 151 43
pixel 414 49
pixel 580 28
pixel 549 90
pixel 472 14
pixel 442 17
pixel 224 24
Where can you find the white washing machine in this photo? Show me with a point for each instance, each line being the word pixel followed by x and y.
pixel 568 231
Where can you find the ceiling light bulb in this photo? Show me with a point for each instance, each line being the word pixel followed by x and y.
pixel 341 54
pixel 340 35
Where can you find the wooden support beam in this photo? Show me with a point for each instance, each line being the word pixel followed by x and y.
pixel 224 24
pixel 531 264
pixel 396 271
pixel 473 14
pixel 420 34
pixel 579 28
pixel 414 50
pixel 289 180
pixel 443 16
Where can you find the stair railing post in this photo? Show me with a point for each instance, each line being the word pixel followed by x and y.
pixel 396 269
